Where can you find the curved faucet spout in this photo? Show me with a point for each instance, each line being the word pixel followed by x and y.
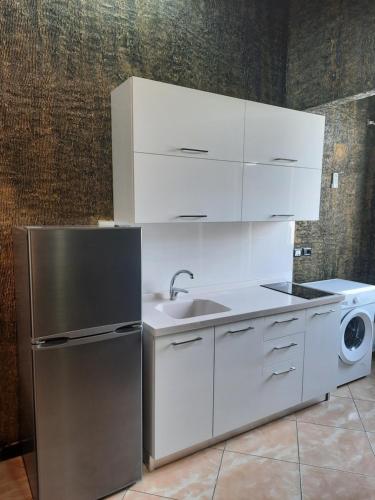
pixel 173 292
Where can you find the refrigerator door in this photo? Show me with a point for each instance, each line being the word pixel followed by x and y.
pixel 84 280
pixel 88 415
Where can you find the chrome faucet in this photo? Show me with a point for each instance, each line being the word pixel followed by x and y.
pixel 173 292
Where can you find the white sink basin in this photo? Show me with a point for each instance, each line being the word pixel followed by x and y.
pixel 191 308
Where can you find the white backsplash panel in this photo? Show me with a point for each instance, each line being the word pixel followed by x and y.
pixel 217 253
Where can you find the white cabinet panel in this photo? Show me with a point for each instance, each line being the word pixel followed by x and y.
pixel 183 393
pixel 272 193
pixel 321 351
pixel 238 372
pixel 275 135
pixel 167 187
pixel 172 120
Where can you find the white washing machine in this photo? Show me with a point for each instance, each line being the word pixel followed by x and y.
pixel 357 327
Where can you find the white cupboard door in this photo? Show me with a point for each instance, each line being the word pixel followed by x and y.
pixel 238 372
pixel 275 135
pixel 321 351
pixel 184 365
pixel 172 189
pixel 173 120
pixel 274 193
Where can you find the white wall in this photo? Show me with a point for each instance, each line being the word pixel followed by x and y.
pixel 217 253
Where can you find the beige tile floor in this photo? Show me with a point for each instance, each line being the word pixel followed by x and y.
pixel 325 452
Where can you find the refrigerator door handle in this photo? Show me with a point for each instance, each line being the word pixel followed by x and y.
pixel 63 342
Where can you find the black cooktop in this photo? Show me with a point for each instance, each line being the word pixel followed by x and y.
pixel 303 292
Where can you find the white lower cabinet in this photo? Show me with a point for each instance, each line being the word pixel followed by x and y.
pixel 321 351
pixel 183 390
pixel 238 368
pixel 205 383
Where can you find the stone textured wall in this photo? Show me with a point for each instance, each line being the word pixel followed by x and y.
pixel 60 60
pixel 342 239
pixel 331 48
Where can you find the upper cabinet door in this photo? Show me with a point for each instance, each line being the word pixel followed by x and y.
pixel 275 193
pixel 173 120
pixel 170 189
pixel 280 136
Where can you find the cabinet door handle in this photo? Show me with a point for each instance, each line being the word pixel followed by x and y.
pixel 187 341
pixel 192 216
pixel 291 160
pixel 194 150
pixel 324 312
pixel 231 332
pixel 278 347
pixel 285 321
pixel 291 369
pixel 282 215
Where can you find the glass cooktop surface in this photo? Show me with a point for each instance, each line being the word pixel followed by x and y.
pixel 296 290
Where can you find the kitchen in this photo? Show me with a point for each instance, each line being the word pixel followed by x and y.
pixel 57 166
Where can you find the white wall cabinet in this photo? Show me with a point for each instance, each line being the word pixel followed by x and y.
pixel 321 350
pixel 281 136
pixel 208 382
pixel 169 189
pixel 178 121
pixel 178 150
pixel 183 390
pixel 272 193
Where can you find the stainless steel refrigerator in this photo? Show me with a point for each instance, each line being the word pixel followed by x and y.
pixel 78 297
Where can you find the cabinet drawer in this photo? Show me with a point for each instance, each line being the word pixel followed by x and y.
pixel 283 349
pixel 280 325
pixel 239 328
pixel 281 386
pixel 183 394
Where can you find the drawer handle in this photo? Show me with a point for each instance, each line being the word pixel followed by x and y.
pixel 194 150
pixel 187 341
pixel 282 215
pixel 291 369
pixel 192 216
pixel 285 321
pixel 324 312
pixel 278 347
pixel 292 160
pixel 231 332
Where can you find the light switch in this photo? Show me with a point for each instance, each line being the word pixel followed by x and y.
pixel 335 180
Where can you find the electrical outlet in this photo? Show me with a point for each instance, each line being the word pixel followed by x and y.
pixel 306 251
pixel 297 252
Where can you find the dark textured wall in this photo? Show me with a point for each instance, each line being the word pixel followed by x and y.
pixel 342 239
pixel 60 60
pixel 331 50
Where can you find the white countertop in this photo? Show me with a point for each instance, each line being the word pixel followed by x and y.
pixel 243 302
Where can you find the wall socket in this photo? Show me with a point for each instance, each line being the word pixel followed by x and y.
pixel 302 252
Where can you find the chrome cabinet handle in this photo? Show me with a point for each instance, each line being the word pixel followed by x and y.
pixel 292 160
pixel 187 341
pixel 324 312
pixel 285 321
pixel 291 369
pixel 194 150
pixel 278 347
pixel 192 216
pixel 231 332
pixel 282 215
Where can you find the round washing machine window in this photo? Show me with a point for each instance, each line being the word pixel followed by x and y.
pixel 356 336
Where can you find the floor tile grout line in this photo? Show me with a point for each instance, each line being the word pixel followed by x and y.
pixel 338 470
pixel 218 471
pixel 331 426
pixel 299 462
pixel 153 494
pixel 261 456
pixel 369 442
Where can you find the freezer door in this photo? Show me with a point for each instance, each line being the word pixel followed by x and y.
pixel 84 278
pixel 88 415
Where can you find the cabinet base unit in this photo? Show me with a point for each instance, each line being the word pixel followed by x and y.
pixel 206 385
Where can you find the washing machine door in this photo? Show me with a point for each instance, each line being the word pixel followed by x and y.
pixel 356 336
